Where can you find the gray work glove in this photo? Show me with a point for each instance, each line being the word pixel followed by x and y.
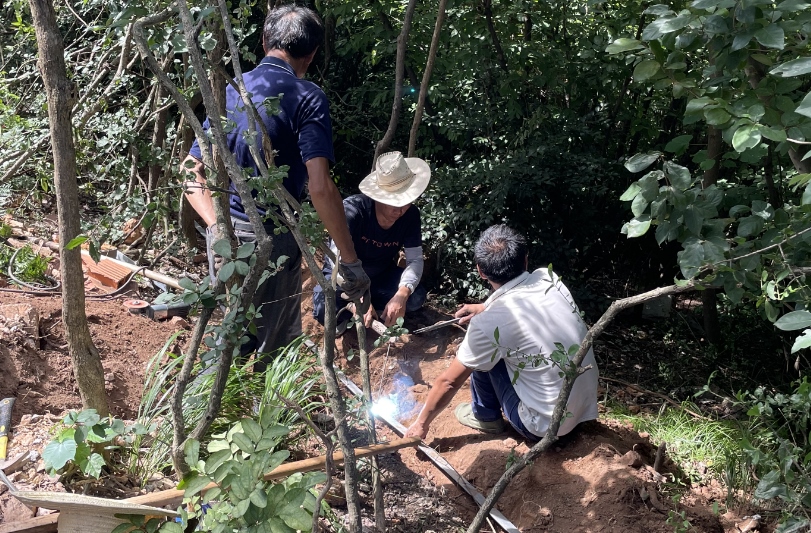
pixel 354 283
pixel 215 261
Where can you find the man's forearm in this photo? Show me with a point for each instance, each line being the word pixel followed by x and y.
pixel 443 390
pixel 197 192
pixel 330 208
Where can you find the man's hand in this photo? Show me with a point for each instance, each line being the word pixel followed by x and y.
pixel 369 317
pixel 417 429
pixel 355 284
pixel 468 311
pixel 396 307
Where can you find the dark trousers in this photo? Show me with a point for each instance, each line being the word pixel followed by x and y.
pixel 383 288
pixel 279 298
pixel 493 393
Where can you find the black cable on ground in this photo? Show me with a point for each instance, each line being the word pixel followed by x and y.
pixel 36 286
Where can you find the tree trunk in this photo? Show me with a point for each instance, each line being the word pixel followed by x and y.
pixel 61 95
pixel 709 300
pixel 487 5
pixel 397 104
pixel 426 78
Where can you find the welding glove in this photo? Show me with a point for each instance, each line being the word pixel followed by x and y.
pixel 354 283
pixel 215 260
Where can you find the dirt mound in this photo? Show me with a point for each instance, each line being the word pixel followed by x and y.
pixel 37 369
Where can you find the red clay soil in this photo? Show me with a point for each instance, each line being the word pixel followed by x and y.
pixel 584 485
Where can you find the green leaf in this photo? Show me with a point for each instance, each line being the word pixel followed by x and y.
pixel 640 162
pixel 770 486
pixel 807 195
pixel 772 36
pixel 243 442
pixel 259 498
pixel 693 219
pixel 223 248
pixel 76 241
pixel 631 192
pixel 56 454
pixel 716 116
pixel 698 104
pixel 191 451
pixel 773 134
pixel 678 175
pixel 226 271
pixel 638 226
pixel 216 459
pixel 171 527
pixel 252 430
pixel 794 320
pixel 805 106
pixel 639 205
pixel 245 250
pixel 801 342
pixel 691 259
pixel 742 40
pixel 749 226
pixel 126 527
pixel 791 6
pixel 94 465
pixel 746 137
pixel 187 284
pixel 646 69
pixel 623 44
pixel 194 483
pixel 795 67
pixel 495 334
pixel 679 144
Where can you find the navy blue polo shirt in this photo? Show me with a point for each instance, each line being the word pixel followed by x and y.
pixel 301 131
pixel 375 246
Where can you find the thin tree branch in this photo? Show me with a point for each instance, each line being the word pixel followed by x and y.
pixel 426 78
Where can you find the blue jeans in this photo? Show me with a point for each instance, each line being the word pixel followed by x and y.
pixel 493 392
pixel 383 288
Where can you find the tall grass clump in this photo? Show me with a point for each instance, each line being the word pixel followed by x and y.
pixel 247 394
pixel 694 444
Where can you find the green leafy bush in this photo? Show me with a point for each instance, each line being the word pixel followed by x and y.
pixel 778 450
pixel 86 443
pixel 244 501
pixel 28 265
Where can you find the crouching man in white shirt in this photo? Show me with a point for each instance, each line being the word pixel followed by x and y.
pixel 508 347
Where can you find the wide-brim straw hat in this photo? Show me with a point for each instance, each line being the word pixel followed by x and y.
pixel 396 180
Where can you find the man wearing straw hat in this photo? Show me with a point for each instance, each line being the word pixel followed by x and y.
pixel 382 220
pixel 301 133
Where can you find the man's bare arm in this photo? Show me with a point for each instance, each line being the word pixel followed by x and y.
pixel 329 205
pixel 197 191
pixel 442 392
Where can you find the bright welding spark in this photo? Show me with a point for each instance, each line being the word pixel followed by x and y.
pixel 384 408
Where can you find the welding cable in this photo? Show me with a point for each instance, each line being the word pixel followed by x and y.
pixel 35 286
pixel 101 297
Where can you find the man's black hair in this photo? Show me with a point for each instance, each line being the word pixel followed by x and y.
pixel 501 253
pixel 295 29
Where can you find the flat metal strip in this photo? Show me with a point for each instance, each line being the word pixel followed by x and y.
pixel 438 460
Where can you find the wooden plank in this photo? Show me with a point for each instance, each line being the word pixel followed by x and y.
pixel 173 497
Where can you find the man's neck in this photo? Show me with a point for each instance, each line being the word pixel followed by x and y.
pixel 299 65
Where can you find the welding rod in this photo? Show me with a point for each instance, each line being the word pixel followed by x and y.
pixel 439 325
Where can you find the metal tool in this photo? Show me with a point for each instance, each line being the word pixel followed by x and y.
pixel 438 325
pixel 5 421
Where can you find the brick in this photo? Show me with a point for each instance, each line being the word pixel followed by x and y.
pixel 106 272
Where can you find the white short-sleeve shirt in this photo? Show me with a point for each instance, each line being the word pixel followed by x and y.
pixel 532 313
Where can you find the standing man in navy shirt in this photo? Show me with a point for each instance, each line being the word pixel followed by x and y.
pixel 383 220
pixel 301 134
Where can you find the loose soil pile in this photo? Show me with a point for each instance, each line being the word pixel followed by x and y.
pixel 594 480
